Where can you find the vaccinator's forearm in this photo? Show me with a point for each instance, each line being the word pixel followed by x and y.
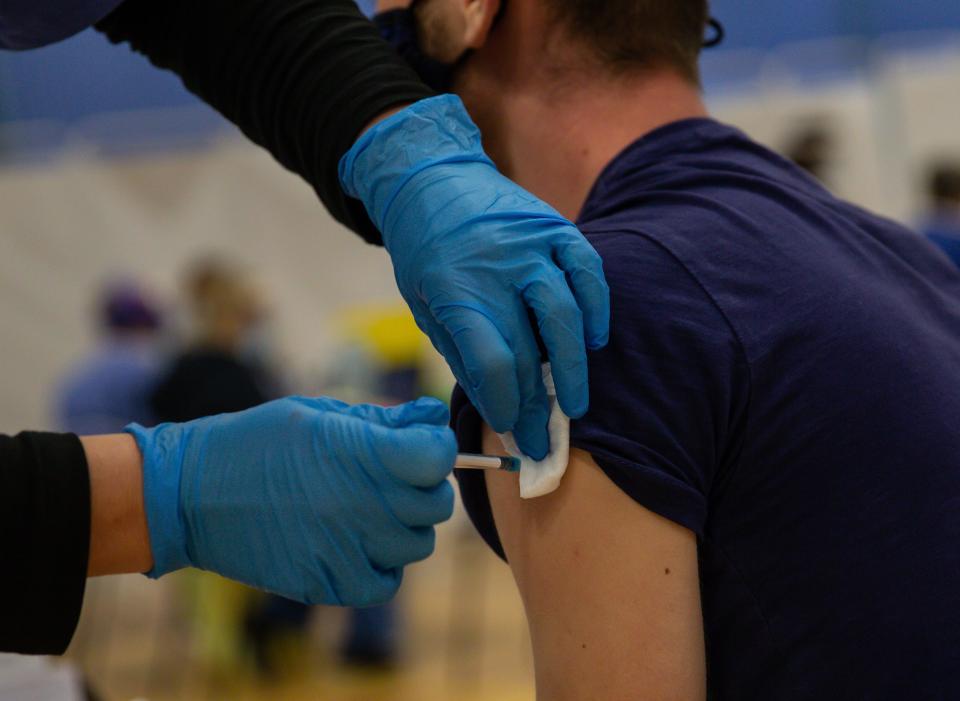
pixel 119 540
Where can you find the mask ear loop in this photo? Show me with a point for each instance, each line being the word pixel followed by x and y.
pixel 500 12
pixel 719 34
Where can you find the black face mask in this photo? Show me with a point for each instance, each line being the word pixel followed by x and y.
pixel 399 29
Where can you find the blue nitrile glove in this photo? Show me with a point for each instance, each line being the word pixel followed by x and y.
pixel 312 499
pixel 475 256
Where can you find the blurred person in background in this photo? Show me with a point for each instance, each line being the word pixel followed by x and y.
pixel 813 148
pixel 484 266
pixel 217 372
pixel 942 222
pixel 111 388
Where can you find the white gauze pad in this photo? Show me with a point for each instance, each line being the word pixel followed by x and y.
pixel 541 477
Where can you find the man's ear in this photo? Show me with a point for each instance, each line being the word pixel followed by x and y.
pixel 479 16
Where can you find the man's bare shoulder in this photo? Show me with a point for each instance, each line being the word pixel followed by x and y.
pixel 611 589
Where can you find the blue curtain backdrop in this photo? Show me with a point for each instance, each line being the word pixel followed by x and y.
pixel 85 75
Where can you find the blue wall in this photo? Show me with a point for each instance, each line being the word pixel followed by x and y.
pixel 86 75
pixel 80 76
pixel 767 23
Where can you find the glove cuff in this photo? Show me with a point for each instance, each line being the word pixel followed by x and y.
pixel 162 449
pixel 430 132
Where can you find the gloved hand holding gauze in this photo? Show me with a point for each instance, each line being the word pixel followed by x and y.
pixel 541 477
pixel 475 256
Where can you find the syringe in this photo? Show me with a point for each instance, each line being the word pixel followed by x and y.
pixel 467 461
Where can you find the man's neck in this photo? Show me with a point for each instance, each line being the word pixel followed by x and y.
pixel 555 143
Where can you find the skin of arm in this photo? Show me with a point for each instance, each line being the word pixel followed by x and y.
pixel 119 539
pixel 387 5
pixel 611 590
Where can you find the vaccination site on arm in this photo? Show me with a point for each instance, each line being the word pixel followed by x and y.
pixel 688 271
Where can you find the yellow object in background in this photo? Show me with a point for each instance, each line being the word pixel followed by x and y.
pixel 380 339
pixel 387 332
pixel 219 608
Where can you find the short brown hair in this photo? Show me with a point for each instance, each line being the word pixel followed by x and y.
pixel 630 34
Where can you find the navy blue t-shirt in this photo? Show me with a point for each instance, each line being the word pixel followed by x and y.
pixel 783 379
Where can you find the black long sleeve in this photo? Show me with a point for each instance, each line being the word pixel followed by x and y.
pixel 44 541
pixel 298 77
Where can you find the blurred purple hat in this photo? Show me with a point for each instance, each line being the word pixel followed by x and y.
pixel 125 306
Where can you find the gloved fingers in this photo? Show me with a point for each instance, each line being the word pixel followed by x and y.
pixel 561 328
pixel 448 349
pixel 386 589
pixel 374 587
pixel 421 455
pixel 398 550
pixel 490 374
pixel 422 543
pixel 584 269
pixel 319 403
pixel 425 410
pixel 445 346
pixel 531 432
pixel 416 507
pixel 342 564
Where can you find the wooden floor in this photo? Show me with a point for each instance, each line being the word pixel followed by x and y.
pixel 464 638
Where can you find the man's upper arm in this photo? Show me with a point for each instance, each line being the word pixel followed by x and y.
pixel 611 589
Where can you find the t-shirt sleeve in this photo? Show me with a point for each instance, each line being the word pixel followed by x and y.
pixel 668 395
